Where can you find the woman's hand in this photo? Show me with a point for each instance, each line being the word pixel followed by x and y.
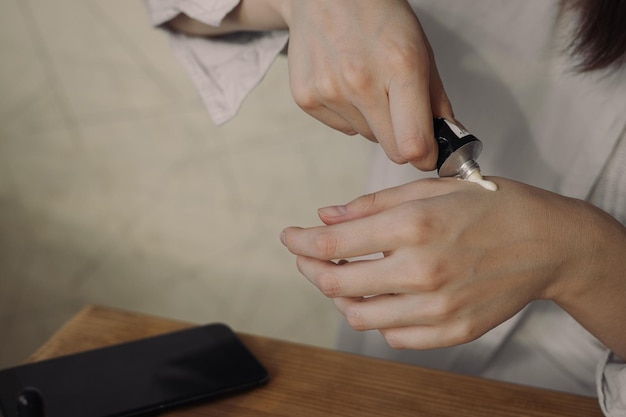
pixel 359 66
pixel 459 260
pixel 365 66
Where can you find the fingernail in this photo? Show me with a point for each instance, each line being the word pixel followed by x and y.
pixel 282 238
pixel 333 211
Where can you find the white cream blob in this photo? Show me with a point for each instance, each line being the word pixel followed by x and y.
pixel 477 177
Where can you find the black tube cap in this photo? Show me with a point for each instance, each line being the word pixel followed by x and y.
pixel 456 146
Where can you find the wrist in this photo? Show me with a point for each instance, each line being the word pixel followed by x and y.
pixel 255 15
pixel 593 291
pixel 596 256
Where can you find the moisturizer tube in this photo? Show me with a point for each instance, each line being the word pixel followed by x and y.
pixel 458 151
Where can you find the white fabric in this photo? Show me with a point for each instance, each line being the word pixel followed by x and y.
pixel 611 376
pixel 209 12
pixel 224 71
pixel 608 192
pixel 541 124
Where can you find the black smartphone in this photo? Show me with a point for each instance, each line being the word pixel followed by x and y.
pixel 134 378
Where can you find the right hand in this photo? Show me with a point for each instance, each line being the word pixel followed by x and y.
pixel 365 66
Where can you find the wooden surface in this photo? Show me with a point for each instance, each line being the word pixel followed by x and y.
pixel 309 382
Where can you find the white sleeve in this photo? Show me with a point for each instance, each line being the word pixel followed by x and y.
pixel 225 69
pixel 611 382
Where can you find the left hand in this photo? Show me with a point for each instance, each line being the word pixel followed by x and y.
pixel 458 260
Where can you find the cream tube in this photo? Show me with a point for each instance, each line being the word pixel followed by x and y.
pixel 458 151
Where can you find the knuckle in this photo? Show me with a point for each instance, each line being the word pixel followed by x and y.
pixel 417 281
pixel 366 202
pixel 463 331
pixel 305 97
pixel 328 90
pixel 330 285
pixel 301 264
pixel 357 76
pixel 423 283
pixel 394 339
pixel 325 245
pixel 405 60
pixel 412 148
pixel 355 318
pixel 436 273
pixel 443 308
pixel 412 232
pixel 395 157
pixel 422 228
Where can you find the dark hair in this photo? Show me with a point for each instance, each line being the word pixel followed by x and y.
pixel 599 41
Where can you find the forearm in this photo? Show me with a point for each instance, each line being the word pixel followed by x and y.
pixel 594 293
pixel 249 15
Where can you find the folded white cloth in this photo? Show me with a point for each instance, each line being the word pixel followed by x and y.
pixel 223 71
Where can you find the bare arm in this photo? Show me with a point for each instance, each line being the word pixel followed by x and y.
pixel 249 15
pixel 594 295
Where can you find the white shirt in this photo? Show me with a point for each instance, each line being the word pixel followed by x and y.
pixel 541 124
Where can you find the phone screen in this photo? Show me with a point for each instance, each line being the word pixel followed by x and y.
pixel 137 377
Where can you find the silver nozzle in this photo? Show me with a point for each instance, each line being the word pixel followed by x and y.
pixel 462 162
pixel 468 168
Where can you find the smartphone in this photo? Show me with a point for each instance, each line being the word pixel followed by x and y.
pixel 134 378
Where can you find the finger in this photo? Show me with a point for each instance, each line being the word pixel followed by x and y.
pixel 411 117
pixel 380 201
pixel 351 114
pixel 327 244
pixel 359 237
pixel 394 317
pixel 376 112
pixel 325 98
pixel 390 311
pixel 330 118
pixel 362 278
pixel 415 98
pixel 387 221
pixel 359 96
pixel 307 97
pixel 429 337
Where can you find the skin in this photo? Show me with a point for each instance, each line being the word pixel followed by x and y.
pixel 358 66
pixel 448 275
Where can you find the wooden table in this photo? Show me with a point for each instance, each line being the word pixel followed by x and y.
pixel 308 381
